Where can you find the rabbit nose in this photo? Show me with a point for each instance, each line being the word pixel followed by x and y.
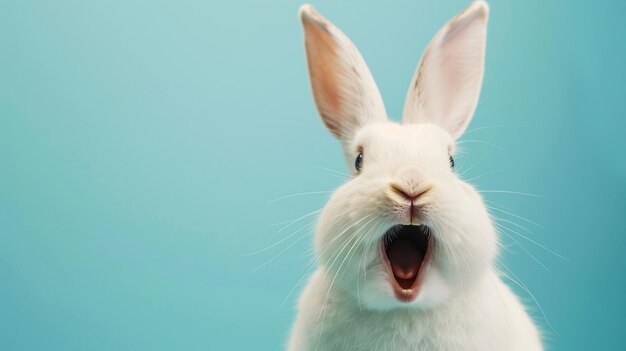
pixel 411 194
pixel 409 184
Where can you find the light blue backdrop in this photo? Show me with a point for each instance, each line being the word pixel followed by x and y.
pixel 142 144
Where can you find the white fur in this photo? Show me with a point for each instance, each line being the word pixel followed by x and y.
pixel 349 303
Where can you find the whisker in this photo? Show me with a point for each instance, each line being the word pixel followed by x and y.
pixel 514 224
pixel 534 242
pixel 312 213
pixel 338 174
pixel 335 141
pixel 519 283
pixel 280 252
pixel 490 108
pixel 524 248
pixel 514 215
pixel 312 264
pixel 299 194
pixel 478 177
pixel 484 128
pixel 288 236
pixel 324 304
pixel 510 192
pixel 481 142
pixel 469 169
pixel 306 274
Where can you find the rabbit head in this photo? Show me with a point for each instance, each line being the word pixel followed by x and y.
pixel 405 230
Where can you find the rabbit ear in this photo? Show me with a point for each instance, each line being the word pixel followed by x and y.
pixel 343 88
pixel 446 86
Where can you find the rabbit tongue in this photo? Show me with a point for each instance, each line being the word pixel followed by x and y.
pixel 405 258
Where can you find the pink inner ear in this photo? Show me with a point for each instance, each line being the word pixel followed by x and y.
pixel 344 91
pixel 461 68
pixel 324 67
pixel 453 74
pixel 447 84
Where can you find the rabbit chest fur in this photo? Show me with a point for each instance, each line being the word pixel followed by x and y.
pixel 490 317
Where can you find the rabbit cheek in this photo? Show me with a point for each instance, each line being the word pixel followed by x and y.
pixel 470 191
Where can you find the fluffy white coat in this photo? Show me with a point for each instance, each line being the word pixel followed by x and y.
pixel 349 303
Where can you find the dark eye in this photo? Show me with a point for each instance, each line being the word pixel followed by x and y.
pixel 451 162
pixel 358 163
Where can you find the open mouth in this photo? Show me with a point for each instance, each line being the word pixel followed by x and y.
pixel 406 251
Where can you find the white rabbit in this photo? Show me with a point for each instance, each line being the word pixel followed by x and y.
pixel 405 248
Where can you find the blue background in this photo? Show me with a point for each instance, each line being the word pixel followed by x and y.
pixel 142 144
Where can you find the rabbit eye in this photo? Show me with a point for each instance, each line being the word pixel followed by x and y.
pixel 451 162
pixel 358 163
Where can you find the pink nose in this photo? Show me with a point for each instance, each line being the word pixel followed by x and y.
pixel 409 194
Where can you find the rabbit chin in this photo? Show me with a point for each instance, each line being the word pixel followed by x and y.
pixel 378 294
